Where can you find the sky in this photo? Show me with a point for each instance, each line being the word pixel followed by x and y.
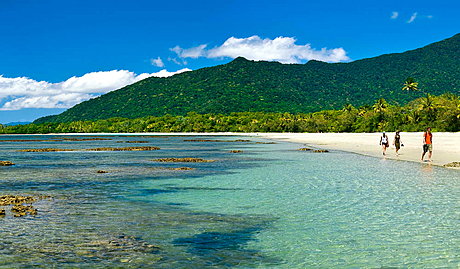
pixel 55 54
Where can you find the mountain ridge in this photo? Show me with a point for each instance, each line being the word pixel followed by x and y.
pixel 244 85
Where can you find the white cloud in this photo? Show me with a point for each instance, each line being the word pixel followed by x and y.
pixel 22 92
pixel 412 18
pixel 157 62
pixel 165 73
pixel 281 49
pixel 194 53
pixel 394 15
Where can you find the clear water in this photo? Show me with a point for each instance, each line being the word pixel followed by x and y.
pixel 268 207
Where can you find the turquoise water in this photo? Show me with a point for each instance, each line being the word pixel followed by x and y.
pixel 268 207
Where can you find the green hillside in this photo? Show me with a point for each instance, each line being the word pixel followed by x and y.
pixel 249 86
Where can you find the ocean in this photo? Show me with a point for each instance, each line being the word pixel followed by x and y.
pixel 267 205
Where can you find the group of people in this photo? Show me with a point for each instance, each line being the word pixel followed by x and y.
pixel 427 143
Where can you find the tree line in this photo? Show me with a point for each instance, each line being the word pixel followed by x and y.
pixel 442 113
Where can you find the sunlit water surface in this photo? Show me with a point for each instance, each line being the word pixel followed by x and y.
pixel 270 206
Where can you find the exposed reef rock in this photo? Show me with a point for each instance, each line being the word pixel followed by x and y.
pixel 85 139
pixel 6 163
pixel 453 164
pixel 320 150
pixel 266 143
pixel 235 151
pixel 45 150
pixel 305 149
pixel 183 160
pixel 101 172
pixel 124 149
pixel 212 140
pixel 94 149
pixel 18 208
pixel 22 210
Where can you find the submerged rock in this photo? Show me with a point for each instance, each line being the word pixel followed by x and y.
pixel 183 160
pixel 6 163
pixel 173 168
pixel 133 141
pixel 453 164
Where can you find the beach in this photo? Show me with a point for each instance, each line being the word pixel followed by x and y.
pixel 446 146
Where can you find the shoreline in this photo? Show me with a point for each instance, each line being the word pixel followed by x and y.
pixel 446 148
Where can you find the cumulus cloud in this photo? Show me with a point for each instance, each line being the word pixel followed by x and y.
pixel 412 18
pixel 157 62
pixel 394 15
pixel 281 49
pixel 21 92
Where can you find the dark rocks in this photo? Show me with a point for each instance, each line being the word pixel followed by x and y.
pixel 101 172
pixel 266 143
pixel 235 151
pixel 6 163
pixel 183 168
pixel 453 165
pixel 320 150
pixel 183 160
pixel 305 149
pixel 22 210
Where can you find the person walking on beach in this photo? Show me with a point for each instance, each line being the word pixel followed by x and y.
pixel 397 142
pixel 427 143
pixel 384 143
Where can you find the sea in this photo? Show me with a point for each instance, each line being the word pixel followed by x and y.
pixel 258 204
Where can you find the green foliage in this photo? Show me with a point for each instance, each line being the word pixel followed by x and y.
pixel 248 86
pixel 442 113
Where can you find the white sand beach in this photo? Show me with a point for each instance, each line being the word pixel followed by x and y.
pixel 446 146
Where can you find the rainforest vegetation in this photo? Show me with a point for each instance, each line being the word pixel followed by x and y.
pixel 442 113
pixel 249 86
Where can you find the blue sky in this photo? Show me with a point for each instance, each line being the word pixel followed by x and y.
pixel 55 53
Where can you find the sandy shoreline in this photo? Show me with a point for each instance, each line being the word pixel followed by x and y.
pixel 446 146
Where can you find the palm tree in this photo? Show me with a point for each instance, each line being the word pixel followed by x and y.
pixel 428 105
pixel 380 106
pixel 410 84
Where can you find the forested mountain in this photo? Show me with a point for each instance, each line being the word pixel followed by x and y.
pixel 249 86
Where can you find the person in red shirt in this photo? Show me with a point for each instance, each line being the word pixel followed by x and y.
pixel 427 143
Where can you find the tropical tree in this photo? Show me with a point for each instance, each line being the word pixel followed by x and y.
pixel 410 84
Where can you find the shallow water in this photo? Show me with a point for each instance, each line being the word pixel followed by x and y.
pixel 269 207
